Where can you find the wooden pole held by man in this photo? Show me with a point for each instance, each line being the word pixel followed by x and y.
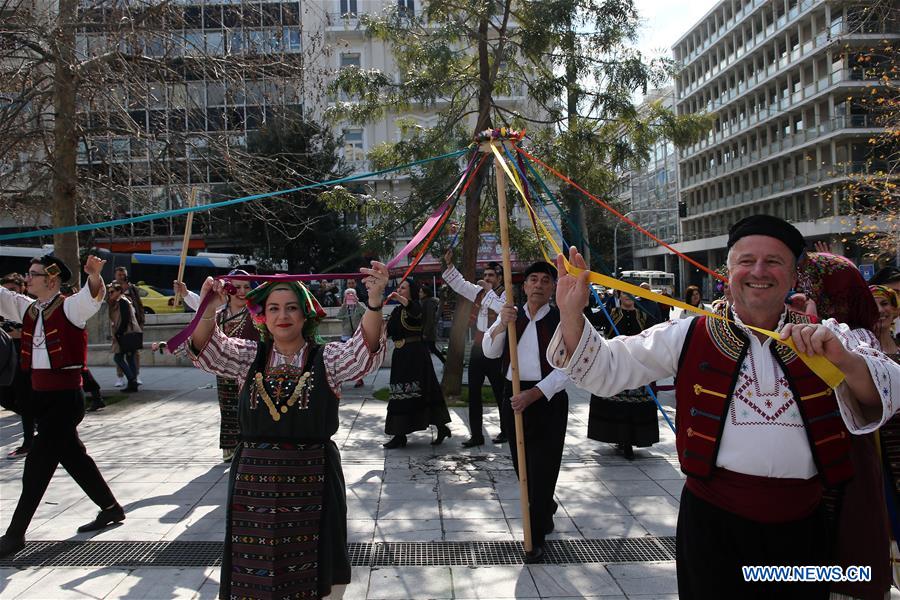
pixel 512 340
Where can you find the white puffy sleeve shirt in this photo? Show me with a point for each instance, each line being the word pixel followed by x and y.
pixel 763 433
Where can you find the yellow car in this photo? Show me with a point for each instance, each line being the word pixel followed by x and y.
pixel 158 300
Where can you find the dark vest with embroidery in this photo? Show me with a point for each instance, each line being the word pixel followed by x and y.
pixel 546 326
pixel 315 410
pixel 66 344
pixel 707 375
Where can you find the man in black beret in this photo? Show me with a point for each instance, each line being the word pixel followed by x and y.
pixel 759 433
pixel 53 352
pixel 542 400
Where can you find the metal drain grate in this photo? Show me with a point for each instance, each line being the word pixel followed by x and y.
pixel 117 554
pixel 394 554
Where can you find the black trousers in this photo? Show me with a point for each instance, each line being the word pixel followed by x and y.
pixel 479 368
pixel 712 545
pixel 545 436
pixel 57 415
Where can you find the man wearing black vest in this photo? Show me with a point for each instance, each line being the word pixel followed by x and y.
pixel 54 350
pixel 758 432
pixel 542 401
pixel 488 299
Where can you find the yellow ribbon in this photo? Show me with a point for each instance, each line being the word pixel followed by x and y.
pixel 820 365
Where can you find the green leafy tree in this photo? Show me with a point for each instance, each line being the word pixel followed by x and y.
pixel 300 228
pixel 562 69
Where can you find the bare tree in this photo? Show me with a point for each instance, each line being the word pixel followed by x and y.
pixel 111 109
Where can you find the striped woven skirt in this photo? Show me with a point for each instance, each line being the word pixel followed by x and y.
pixel 230 428
pixel 275 518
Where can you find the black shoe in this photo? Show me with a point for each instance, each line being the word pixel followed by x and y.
pixel 500 439
pixel 443 433
pixel 627 450
pixel 398 441
pixel 472 442
pixel 536 555
pixel 10 544
pixel 105 518
pixel 96 404
pixel 132 387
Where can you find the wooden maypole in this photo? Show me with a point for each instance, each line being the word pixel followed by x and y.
pixel 497 137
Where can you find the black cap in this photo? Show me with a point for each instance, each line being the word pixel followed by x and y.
pixel 51 264
pixel 770 226
pixel 541 267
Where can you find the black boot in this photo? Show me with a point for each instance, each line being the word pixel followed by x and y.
pixel 398 441
pixel 443 433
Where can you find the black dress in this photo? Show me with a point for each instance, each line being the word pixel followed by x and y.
pixel 628 418
pixel 416 399
pixel 286 528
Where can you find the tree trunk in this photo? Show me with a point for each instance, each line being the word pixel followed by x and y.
pixel 64 140
pixel 453 367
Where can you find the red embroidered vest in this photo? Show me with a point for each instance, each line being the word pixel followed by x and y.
pixel 66 344
pixel 707 374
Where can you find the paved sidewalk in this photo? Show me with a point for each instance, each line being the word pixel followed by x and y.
pixel 159 452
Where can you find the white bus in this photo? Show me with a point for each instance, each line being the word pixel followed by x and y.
pixel 659 281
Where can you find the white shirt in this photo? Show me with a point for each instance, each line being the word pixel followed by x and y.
pixel 192 300
pixel 469 291
pixel 763 433
pixel 78 308
pixel 529 354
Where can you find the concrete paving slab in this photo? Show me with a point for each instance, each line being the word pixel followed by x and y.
pixel 414 530
pixel 650 505
pixel 410 583
pixel 645 578
pixel 409 491
pixel 580 581
pixel 154 583
pixel 14 582
pixel 63 583
pixel 407 509
pixel 600 506
pixel 493 582
pixel 453 508
pixel 634 488
pixel 609 526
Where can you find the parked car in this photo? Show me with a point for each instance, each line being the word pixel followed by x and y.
pixel 157 300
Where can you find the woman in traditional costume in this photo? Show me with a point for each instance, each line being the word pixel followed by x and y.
pixel 234 320
pixel 855 513
pixel 627 419
pixel 286 532
pixel 416 399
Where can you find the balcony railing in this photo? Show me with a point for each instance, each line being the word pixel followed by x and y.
pixel 786 143
pixel 779 109
pixel 785 185
pixel 759 38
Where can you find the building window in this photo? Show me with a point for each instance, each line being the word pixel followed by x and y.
pixel 350 59
pixel 353 145
pixel 348 8
pixel 406 8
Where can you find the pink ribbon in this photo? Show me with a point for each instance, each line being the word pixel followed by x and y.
pixel 430 223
